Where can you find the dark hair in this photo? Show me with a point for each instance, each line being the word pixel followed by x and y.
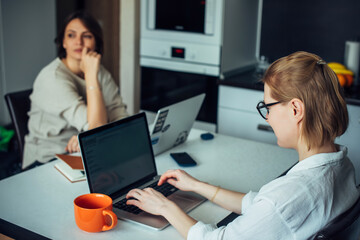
pixel 90 23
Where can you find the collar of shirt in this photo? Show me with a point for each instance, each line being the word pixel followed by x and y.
pixel 320 159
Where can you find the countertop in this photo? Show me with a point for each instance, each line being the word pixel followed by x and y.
pixel 252 80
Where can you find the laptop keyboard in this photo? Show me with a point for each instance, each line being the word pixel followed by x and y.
pixel 166 189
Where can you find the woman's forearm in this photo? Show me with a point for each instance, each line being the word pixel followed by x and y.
pixel 227 199
pixel 96 110
pixel 230 200
pixel 179 219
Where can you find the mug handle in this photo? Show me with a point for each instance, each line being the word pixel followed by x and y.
pixel 113 217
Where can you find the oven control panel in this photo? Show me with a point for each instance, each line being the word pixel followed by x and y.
pixel 180 51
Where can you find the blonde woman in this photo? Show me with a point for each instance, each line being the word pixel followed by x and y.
pixel 305 106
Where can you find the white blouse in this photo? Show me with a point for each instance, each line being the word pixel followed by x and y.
pixel 295 206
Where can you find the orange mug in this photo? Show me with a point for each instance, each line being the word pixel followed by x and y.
pixel 93 212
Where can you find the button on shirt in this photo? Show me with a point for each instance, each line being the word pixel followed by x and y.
pixel 295 206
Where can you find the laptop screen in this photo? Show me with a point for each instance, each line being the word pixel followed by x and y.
pixel 117 155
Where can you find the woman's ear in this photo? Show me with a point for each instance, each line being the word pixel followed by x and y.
pixel 298 109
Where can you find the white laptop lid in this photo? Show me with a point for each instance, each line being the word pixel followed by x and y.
pixel 173 123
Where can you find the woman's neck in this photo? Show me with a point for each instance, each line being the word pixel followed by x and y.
pixel 73 66
pixel 304 152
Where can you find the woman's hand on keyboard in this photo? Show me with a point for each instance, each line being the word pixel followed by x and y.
pixel 153 202
pixel 179 179
pixel 149 200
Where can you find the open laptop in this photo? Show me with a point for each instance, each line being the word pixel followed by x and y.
pixel 173 123
pixel 118 157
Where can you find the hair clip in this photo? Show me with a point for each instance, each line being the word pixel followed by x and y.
pixel 321 62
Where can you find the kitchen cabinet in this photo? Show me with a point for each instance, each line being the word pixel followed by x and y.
pixel 351 138
pixel 238 116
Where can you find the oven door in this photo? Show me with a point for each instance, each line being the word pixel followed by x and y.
pixel 180 15
pixel 160 88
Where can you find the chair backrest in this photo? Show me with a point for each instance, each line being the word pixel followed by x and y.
pixel 18 104
pixel 344 227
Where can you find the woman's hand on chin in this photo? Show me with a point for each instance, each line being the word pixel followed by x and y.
pixel 90 62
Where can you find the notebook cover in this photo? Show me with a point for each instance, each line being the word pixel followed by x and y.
pixel 75 162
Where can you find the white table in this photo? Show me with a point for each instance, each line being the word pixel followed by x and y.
pixel 41 199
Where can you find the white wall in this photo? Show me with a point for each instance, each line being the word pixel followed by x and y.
pixel 27 33
pixel 129 54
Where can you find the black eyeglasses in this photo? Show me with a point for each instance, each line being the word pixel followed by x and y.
pixel 264 108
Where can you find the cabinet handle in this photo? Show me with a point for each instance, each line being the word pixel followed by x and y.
pixel 264 127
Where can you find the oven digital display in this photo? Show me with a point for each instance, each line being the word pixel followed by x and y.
pixel 178 52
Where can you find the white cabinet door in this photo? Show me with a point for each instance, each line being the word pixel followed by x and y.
pixel 238 117
pixel 351 138
pixel 246 125
pixel 239 98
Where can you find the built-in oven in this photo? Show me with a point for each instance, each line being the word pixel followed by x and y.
pixel 193 16
pixel 184 15
pixel 186 46
pixel 160 88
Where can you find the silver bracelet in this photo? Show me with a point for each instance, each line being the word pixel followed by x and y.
pixel 92 87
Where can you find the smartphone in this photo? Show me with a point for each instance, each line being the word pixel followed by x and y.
pixel 183 159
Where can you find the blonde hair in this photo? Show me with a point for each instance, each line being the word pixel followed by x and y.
pixel 307 77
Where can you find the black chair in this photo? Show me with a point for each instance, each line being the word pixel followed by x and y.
pixel 344 227
pixel 18 104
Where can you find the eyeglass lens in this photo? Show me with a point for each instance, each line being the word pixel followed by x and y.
pixel 264 111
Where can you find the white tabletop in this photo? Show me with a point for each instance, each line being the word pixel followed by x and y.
pixel 41 199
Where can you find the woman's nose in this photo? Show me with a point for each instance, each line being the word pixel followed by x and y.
pixel 79 40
